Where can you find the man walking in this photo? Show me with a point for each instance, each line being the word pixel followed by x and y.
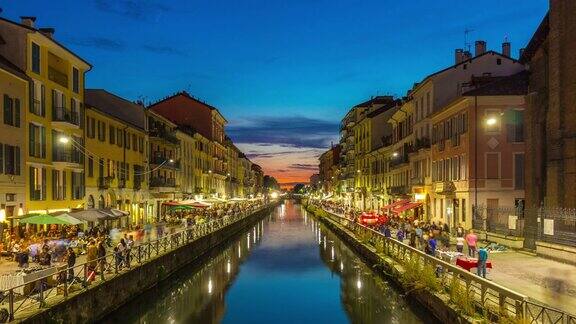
pixel 482 259
pixel 471 240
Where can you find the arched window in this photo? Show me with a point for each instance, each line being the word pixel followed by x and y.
pixel 101 202
pixel 90 202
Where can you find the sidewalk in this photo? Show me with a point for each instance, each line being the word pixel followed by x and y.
pixel 529 275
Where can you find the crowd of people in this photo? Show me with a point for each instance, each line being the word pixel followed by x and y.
pixel 63 244
pixel 428 236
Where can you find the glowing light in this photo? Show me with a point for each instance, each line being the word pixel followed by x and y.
pixel 228 267
pixel 239 251
pixel 63 140
pixel 341 266
pixel 20 211
pixel 491 121
pixel 274 195
pixel 419 196
pixel 359 284
pixel 171 160
pixel 332 252
pixel 2 215
pixel 210 286
pixel 395 154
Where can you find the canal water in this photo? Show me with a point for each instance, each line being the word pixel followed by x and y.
pixel 287 268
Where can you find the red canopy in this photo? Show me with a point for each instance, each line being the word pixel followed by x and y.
pixel 171 203
pixel 397 203
pixel 405 207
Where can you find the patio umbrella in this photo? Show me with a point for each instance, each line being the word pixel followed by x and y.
pixel 89 215
pixel 180 207
pixel 43 219
pixel 67 218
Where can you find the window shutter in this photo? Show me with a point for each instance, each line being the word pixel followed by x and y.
pixel 1 158
pixel 17 160
pixel 17 112
pixel 31 141
pixel 6 109
pixel 31 90
pixel 43 142
pixel 42 100
pixel 43 187
pixel 32 183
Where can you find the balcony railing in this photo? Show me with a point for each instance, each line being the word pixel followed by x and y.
pixel 398 190
pixel 165 161
pixel 37 108
pixel 169 137
pixel 417 181
pixel 67 156
pixel 58 77
pixel 422 143
pixel 162 182
pixel 455 140
pixel 61 114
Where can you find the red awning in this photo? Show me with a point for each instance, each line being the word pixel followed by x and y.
pixel 397 203
pixel 171 203
pixel 407 206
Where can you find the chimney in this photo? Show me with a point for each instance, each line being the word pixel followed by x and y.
pixel 480 47
pixel 458 55
pixel 466 56
pixel 27 21
pixel 506 49
pixel 48 32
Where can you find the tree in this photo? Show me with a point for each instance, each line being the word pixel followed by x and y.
pixel 270 183
pixel 298 188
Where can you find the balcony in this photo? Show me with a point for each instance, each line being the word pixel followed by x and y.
pixel 57 76
pixel 68 157
pixel 445 187
pixel 166 136
pixel 455 140
pixel 137 185
pixel 104 182
pixel 398 161
pixel 65 117
pixel 121 183
pixel 441 145
pixel 158 182
pixel 157 159
pixel 422 143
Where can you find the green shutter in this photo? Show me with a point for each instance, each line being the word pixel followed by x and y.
pixel 42 100
pixel 43 142
pixel 17 160
pixel 32 183
pixel 17 112
pixel 7 119
pixel 31 142
pixel 1 159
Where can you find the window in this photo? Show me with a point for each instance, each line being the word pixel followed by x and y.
pixel 37 104
pixel 35 58
pixel 75 80
pixel 11 161
pixel 499 61
pixel 519 171
pixel 140 144
pixel 492 165
pixel 463 205
pixel 90 167
pixel 515 126
pixel 428 105
pixel 127 140
pixel 58 185
pixel 112 134
pixel 119 137
pixel 11 111
pixel 78 185
pixel 37 183
pixel 134 142
pixel 37 141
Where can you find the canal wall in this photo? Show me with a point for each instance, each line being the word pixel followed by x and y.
pixel 94 303
pixel 437 304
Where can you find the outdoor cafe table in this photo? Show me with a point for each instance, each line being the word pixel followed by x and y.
pixel 8 281
pixel 469 263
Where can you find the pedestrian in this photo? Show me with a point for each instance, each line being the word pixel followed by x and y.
pixel 101 254
pixel 482 259
pixel 120 252
pixel 387 232
pixel 460 244
pixel 431 245
pixel 71 261
pixel 413 239
pixel 91 255
pixel 471 240
pixel 400 235
pixel 460 231
pixel 129 245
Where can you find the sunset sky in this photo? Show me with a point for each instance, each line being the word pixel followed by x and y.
pixel 282 72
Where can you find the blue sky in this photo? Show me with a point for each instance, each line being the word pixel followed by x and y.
pixel 292 66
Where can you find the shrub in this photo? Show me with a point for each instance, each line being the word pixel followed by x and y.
pixel 417 276
pixel 459 296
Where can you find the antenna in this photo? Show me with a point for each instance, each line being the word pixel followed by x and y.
pixel 467 31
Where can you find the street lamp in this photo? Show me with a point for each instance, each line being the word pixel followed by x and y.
pixel 64 139
pixel 491 121
pixel 395 154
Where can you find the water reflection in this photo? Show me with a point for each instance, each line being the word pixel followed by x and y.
pixel 286 269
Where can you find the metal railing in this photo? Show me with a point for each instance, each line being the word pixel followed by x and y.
pixel 66 281
pixel 493 299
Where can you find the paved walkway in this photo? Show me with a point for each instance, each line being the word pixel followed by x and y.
pixel 533 276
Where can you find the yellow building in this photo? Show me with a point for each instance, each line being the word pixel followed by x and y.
pixel 398 177
pixel 115 154
pixel 219 172
pixel 14 94
pixel 164 163
pixel 203 165
pixel 54 170
pixel 186 177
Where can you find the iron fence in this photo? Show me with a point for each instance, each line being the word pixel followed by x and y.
pixel 496 301
pixel 22 299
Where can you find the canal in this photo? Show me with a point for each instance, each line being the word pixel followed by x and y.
pixel 287 268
